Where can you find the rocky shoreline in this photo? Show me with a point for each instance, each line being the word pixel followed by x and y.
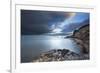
pixel 60 55
pixel 81 37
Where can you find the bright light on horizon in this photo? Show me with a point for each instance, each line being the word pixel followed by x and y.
pixel 57 30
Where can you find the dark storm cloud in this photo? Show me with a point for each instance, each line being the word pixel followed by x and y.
pixel 36 22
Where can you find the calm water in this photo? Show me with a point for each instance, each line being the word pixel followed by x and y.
pixel 33 45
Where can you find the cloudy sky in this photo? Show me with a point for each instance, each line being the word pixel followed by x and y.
pixel 41 22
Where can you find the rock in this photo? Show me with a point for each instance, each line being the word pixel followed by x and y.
pixel 60 55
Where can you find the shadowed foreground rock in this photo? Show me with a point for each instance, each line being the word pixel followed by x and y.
pixel 60 55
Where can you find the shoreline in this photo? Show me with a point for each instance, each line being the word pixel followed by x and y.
pixel 60 55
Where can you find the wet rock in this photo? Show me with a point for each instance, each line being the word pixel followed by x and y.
pixel 60 55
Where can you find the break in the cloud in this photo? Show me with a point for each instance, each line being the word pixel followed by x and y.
pixel 39 22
